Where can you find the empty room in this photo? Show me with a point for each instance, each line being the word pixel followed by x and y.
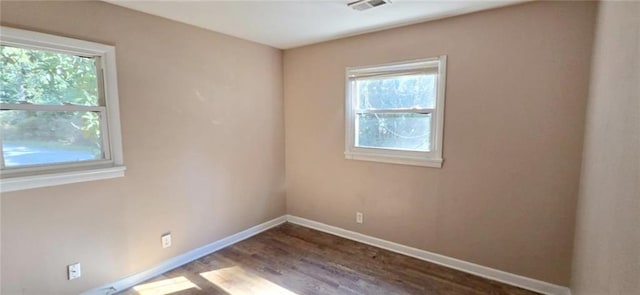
pixel 319 147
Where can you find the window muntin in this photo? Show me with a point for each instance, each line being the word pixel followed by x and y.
pixel 394 112
pixel 59 117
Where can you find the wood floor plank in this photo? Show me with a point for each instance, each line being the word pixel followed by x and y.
pixel 291 259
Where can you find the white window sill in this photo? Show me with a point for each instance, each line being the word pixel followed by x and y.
pixel 51 179
pixel 403 160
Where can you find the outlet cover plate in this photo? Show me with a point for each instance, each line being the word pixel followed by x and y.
pixel 166 240
pixel 73 271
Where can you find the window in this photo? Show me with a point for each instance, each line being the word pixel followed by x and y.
pixel 59 119
pixel 394 112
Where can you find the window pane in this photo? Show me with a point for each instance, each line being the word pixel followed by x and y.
pixel 43 137
pixel 394 131
pixel 42 77
pixel 397 92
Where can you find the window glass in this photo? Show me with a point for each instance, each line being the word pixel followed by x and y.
pixel 46 137
pixel 397 92
pixel 405 131
pixel 47 78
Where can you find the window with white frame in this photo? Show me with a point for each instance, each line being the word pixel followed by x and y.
pixel 395 112
pixel 59 119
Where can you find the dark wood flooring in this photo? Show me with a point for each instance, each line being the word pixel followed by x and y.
pixel 290 259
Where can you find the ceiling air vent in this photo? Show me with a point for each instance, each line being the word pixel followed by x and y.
pixel 367 4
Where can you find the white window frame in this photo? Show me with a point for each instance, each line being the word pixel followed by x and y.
pixel 20 178
pixel 432 158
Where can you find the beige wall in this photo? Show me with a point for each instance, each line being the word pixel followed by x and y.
pixel 607 244
pixel 202 125
pixel 516 97
pixel 505 198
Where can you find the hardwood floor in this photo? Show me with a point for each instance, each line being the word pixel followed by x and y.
pixel 291 259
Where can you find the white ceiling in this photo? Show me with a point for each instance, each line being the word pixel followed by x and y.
pixel 288 24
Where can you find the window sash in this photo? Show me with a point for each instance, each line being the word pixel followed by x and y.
pixel 98 61
pixel 354 76
pixel 375 74
pixel 104 136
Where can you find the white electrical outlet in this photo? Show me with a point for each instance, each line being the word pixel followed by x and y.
pixel 73 271
pixel 359 217
pixel 166 240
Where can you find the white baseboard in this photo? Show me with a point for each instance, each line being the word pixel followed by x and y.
pixel 185 258
pixel 468 267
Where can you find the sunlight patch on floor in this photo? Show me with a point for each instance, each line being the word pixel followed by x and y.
pixel 165 286
pixel 236 281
